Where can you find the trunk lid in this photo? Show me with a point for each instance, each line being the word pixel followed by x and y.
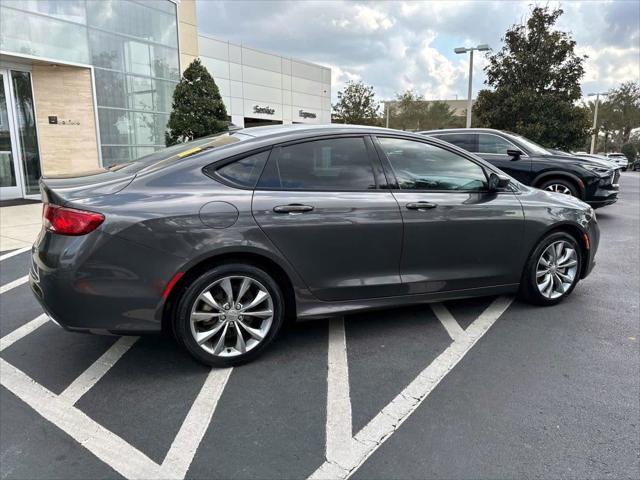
pixel 64 189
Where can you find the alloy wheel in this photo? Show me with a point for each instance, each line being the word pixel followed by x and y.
pixel 558 188
pixel 557 269
pixel 231 316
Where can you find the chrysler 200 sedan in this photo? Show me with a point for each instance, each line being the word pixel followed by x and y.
pixel 220 239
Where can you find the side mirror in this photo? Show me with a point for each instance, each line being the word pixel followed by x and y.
pixel 497 182
pixel 514 154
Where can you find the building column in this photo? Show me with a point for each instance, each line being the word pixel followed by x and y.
pixel 237 120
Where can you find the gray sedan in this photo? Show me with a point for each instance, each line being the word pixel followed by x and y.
pixel 220 239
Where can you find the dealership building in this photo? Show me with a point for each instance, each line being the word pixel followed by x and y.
pixel 85 84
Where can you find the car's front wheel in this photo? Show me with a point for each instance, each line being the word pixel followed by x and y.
pixel 560 185
pixel 552 271
pixel 229 315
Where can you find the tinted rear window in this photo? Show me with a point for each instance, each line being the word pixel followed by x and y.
pixel 330 164
pixel 243 173
pixel 463 140
pixel 169 155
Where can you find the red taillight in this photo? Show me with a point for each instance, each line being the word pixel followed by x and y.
pixel 69 221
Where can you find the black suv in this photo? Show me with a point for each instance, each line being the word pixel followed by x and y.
pixel 591 180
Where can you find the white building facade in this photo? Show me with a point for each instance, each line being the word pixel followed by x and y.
pixel 260 88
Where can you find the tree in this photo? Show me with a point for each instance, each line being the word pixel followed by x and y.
pixel 356 105
pixel 412 112
pixel 198 110
pixel 536 84
pixel 624 102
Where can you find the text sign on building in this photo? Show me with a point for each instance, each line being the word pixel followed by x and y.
pixel 263 110
pixel 304 114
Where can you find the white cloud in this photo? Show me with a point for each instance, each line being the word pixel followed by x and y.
pixel 399 45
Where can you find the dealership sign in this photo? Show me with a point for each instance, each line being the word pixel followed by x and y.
pixel 304 114
pixel 263 110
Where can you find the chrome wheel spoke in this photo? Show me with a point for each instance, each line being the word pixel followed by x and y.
pixel 260 297
pixel 545 283
pixel 202 337
pixel 244 286
pixel 205 316
pixel 254 332
pixel 228 290
pixel 259 313
pixel 221 341
pixel 564 277
pixel 240 344
pixel 207 298
pixel 568 264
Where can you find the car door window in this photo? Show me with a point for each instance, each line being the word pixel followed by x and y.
pixel 420 166
pixel 494 144
pixel 466 141
pixel 243 173
pixel 340 164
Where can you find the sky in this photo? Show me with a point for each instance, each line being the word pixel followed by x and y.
pixel 398 45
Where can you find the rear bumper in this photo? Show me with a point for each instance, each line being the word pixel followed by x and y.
pixel 100 283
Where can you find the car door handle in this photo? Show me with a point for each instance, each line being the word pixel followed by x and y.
pixel 294 208
pixel 421 206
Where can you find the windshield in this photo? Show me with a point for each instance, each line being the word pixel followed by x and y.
pixel 529 145
pixel 168 155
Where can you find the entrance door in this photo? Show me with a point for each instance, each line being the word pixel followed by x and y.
pixel 10 184
pixel 19 152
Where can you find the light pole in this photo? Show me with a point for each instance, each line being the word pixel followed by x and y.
pixel 595 120
pixel 481 48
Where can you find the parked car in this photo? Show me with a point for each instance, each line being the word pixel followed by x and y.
pixel 219 239
pixel 620 159
pixel 636 165
pixel 591 180
pixel 602 158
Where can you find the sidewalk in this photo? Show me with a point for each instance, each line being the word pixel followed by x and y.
pixel 19 225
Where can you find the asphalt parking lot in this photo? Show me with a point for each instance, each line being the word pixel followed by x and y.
pixel 484 388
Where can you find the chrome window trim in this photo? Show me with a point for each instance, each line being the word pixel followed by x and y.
pixel 524 154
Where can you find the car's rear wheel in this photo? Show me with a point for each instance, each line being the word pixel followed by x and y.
pixel 229 315
pixel 552 271
pixel 560 185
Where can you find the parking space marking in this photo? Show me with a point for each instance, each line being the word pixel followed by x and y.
pixel 97 370
pixel 338 431
pixel 14 284
pixel 14 253
pixel 382 426
pixel 11 338
pixel 184 446
pixel 450 324
pixel 108 447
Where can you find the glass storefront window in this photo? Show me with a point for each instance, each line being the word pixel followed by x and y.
pixel 26 119
pixel 37 35
pixel 71 10
pixel 133 19
pixel 131 43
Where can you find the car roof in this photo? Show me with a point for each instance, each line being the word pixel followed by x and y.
pixel 283 130
pixel 462 130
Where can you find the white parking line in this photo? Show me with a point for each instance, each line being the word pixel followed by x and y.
pixel 16 283
pixel 184 446
pixel 108 447
pixel 383 425
pixel 97 370
pixel 15 252
pixel 11 338
pixel 450 324
pixel 339 430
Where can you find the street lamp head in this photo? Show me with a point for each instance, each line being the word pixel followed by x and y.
pixel 483 47
pixel 460 50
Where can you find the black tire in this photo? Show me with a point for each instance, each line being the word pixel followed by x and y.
pixel 529 291
pixel 563 182
pixel 182 320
